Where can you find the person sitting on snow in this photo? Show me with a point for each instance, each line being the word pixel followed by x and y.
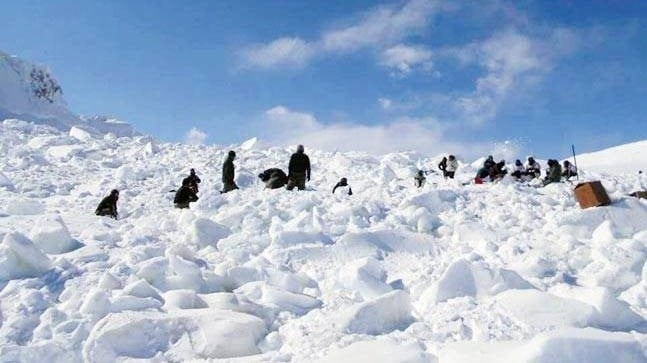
pixel 194 180
pixel 481 174
pixel 108 205
pixel 489 162
pixel 184 196
pixel 569 169
pixel 419 179
pixel 519 170
pixel 343 184
pixel 554 173
pixel 498 171
pixel 273 178
pixel 533 169
pixel 452 166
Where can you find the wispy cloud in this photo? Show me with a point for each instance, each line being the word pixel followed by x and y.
pixel 378 29
pixel 424 135
pixel 404 58
pixel 195 137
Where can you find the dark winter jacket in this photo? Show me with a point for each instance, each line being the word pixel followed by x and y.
pixel 273 178
pixel 108 206
pixel 443 164
pixel 193 181
pixel 299 163
pixel 341 184
pixel 228 171
pixel 185 195
pixel 554 173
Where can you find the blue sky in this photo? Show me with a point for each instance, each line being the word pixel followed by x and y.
pixel 434 76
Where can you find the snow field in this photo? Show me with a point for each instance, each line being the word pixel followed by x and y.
pixel 445 273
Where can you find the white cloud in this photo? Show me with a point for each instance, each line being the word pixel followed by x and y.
pixel 404 58
pixel 425 135
pixel 385 103
pixel 195 137
pixel 378 28
pixel 280 52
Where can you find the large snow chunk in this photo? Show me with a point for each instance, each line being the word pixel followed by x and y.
pixel 24 206
pixel 366 276
pixel 183 299
pixel 5 182
pixel 182 335
pixel 80 134
pixel 51 235
pixel 291 238
pixel 206 232
pixel 20 258
pixel 267 295
pixel 545 310
pixel 380 350
pixel 570 345
pixel 64 151
pixel 391 311
pixel 477 279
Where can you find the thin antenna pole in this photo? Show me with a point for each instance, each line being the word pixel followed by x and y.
pixel 577 176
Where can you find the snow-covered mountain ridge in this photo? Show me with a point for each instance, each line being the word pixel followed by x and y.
pixel 30 92
pixel 449 273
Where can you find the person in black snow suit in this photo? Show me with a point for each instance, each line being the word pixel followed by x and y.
pixel 343 183
pixel 184 195
pixel 419 179
pixel 298 169
pixel 533 169
pixel 569 169
pixel 108 205
pixel 498 171
pixel 194 180
pixel 489 163
pixel 273 178
pixel 228 173
pixel 554 173
pixel 443 166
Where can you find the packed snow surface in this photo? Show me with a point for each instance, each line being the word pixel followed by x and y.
pixel 503 272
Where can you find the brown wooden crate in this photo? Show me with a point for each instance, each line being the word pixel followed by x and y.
pixel 591 194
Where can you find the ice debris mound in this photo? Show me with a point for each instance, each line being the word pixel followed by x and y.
pixel 445 273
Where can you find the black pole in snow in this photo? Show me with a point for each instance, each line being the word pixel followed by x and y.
pixel 577 176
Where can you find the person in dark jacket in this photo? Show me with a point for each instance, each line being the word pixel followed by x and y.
pixel 184 195
pixel 569 169
pixel 489 163
pixel 498 171
pixel 443 166
pixel 419 179
pixel 554 174
pixel 298 169
pixel 273 178
pixel 343 183
pixel 194 180
pixel 108 205
pixel 228 173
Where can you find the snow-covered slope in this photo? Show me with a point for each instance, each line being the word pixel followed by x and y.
pixel 30 92
pixel 628 158
pixel 445 273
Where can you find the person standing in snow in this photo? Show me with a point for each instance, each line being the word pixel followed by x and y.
pixel 569 169
pixel 228 173
pixel 343 184
pixel 273 178
pixel 184 195
pixel 193 180
pixel 554 174
pixel 108 205
pixel 443 166
pixel 519 170
pixel 451 167
pixel 420 179
pixel 298 169
pixel 533 169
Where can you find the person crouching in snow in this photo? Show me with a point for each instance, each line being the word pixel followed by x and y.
pixel 108 205
pixel 419 179
pixel 569 169
pixel 554 174
pixel 273 178
pixel 519 169
pixel 194 180
pixel 451 167
pixel 184 195
pixel 343 185
pixel 498 171
pixel 533 169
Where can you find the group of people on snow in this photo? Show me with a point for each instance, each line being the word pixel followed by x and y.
pixel 299 171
